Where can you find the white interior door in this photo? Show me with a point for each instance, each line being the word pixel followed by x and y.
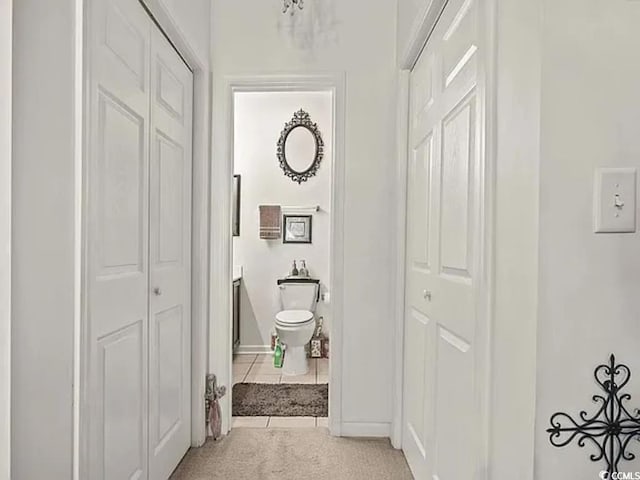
pixel 138 242
pixel 170 259
pixel 442 420
pixel 118 241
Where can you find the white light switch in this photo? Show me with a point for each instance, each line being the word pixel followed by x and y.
pixel 615 200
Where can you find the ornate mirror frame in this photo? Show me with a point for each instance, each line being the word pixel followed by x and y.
pixel 300 119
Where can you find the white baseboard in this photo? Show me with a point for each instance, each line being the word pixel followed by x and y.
pixel 361 429
pixel 252 349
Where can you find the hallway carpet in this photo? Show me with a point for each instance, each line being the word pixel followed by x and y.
pixel 293 454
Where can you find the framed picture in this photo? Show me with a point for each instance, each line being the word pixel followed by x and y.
pixel 235 227
pixel 297 229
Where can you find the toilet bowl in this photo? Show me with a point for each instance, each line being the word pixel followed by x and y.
pixel 295 329
pixel 296 322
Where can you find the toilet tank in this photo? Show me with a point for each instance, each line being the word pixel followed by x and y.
pixel 299 294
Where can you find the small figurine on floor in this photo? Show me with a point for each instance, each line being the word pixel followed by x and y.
pixel 214 413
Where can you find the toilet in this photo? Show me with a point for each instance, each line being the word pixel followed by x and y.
pixel 296 322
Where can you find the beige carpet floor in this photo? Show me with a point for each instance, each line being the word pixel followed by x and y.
pixel 288 454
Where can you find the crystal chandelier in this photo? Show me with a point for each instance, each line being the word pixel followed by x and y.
pixel 292 4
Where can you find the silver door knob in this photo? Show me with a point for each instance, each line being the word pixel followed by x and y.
pixel 426 294
pixel 157 292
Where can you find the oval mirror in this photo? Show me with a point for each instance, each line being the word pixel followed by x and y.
pixel 300 148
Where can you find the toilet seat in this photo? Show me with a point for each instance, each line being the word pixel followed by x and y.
pixel 293 317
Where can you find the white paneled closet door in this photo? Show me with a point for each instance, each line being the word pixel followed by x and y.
pixel 138 224
pixel 169 259
pixel 442 423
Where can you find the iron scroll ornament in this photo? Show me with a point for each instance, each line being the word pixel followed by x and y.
pixel 301 119
pixel 611 429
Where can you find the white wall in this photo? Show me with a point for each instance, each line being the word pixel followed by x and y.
pixel 5 235
pixel 356 37
pixel 192 17
pixel 414 19
pixel 589 302
pixel 43 239
pixel 258 120
pixel 43 262
pixel 410 13
pixel 517 158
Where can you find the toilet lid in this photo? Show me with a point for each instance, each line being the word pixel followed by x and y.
pixel 294 317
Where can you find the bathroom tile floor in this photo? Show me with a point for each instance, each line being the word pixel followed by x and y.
pixel 260 369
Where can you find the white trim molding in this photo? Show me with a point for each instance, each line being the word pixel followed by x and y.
pixel 252 349
pixel 486 262
pixel 362 429
pixel 400 250
pixel 6 41
pixel 221 244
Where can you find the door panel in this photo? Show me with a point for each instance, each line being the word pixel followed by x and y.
pixel 117 222
pixel 455 406
pixel 457 190
pixel 419 209
pixel 441 382
pixel 127 43
pixel 459 43
pixel 170 165
pixel 122 183
pixel 170 254
pixel 124 407
pixel 169 326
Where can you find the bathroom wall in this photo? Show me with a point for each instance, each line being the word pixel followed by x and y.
pixel 259 118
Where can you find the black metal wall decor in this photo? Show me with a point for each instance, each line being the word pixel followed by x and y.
pixel 611 429
pixel 301 119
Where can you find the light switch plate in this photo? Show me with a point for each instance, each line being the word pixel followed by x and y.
pixel 615 200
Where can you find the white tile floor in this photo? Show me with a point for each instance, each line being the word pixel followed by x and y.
pixel 260 369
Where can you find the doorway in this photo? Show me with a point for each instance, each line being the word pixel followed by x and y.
pixel 221 350
pixel 283 159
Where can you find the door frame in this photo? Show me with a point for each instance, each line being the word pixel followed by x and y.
pixel 6 47
pixel 487 89
pixel 200 213
pixel 222 252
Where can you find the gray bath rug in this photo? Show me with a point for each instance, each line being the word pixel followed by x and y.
pixel 280 400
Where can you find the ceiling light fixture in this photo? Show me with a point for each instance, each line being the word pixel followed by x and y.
pixel 292 4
